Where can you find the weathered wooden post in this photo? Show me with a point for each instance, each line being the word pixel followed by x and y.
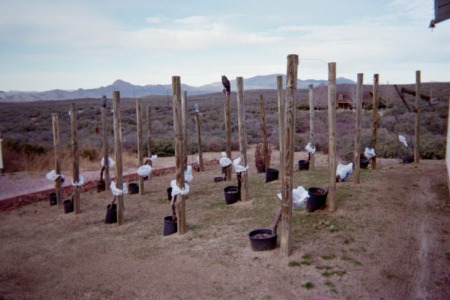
pixel 242 137
pixel 375 117
pixel 199 140
pixel 75 159
pixel 417 124
pixel 287 177
pixel 149 134
pixel 332 135
pixel 139 143
pixel 179 159
pixel 184 127
pixel 118 152
pixel 56 147
pixel 264 132
pixel 105 147
pixel 357 153
pixel 228 135
pixel 281 112
pixel 312 160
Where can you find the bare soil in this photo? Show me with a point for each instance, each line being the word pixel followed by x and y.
pixel 388 239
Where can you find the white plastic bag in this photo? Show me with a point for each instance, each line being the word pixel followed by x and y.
pixel 224 160
pixel 310 149
pixel 176 190
pixel 80 181
pixel 344 171
pixel 238 167
pixel 369 153
pixel 53 176
pixel 402 140
pixel 151 158
pixel 188 174
pixel 116 191
pixel 112 163
pixel 144 171
pixel 299 196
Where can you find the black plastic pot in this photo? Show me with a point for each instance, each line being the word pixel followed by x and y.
pixel 262 239
pixel 303 165
pixel 169 194
pixel 68 206
pixel 407 159
pixel 53 199
pixel 271 174
pixel 133 188
pixel 111 214
pixel 219 179
pixel 232 194
pixel 170 226
pixel 317 199
pixel 363 163
pixel 100 186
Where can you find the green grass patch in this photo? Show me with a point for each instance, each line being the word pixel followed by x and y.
pixel 308 285
pixel 294 263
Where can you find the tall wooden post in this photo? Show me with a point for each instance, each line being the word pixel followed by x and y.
pixel 75 159
pixel 332 135
pixel 281 113
pixel 118 152
pixel 287 177
pixel 56 147
pixel 417 123
pixel 242 137
pixel 105 148
pixel 375 118
pixel 184 128
pixel 149 134
pixel 199 141
pixel 179 159
pixel 357 153
pixel 139 143
pixel 312 160
pixel 228 134
pixel 264 132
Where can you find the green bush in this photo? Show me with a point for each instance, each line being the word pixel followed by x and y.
pixel 163 147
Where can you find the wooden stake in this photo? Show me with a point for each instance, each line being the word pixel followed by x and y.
pixel 374 118
pixel 199 142
pixel 281 113
pixel 357 153
pixel 264 132
pixel 417 124
pixel 184 128
pixel 56 147
pixel 312 160
pixel 75 159
pixel 242 137
pixel 179 159
pixel 228 135
pixel 105 148
pixel 332 135
pixel 149 134
pixel 118 153
pixel 288 174
pixel 139 143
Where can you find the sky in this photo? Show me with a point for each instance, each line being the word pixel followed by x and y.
pixel 58 44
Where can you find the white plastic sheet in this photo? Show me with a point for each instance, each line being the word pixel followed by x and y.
pixel 238 167
pixel 402 140
pixel 224 160
pixel 188 174
pixel 369 152
pixel 80 181
pixel 299 196
pixel 53 176
pixel 112 163
pixel 151 158
pixel 116 191
pixel 311 149
pixel 176 190
pixel 144 170
pixel 344 171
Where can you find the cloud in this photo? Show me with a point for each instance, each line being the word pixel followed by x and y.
pixel 153 20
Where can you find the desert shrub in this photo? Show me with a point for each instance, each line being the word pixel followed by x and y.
pixel 163 147
pixel 432 147
pixel 90 154
pixel 214 144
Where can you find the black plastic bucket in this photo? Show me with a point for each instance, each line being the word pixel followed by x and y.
pixel 317 199
pixel 363 163
pixel 111 214
pixel 169 194
pixel 262 240
pixel 219 179
pixel 68 206
pixel 100 186
pixel 170 226
pixel 232 194
pixel 53 199
pixel 271 174
pixel 407 159
pixel 133 188
pixel 303 165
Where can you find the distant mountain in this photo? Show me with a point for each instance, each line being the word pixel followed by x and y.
pixel 130 90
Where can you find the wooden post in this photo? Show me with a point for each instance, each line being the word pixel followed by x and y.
pixel 179 159
pixel 139 143
pixel 417 124
pixel 242 137
pixel 228 134
pixel 332 135
pixel 357 153
pixel 281 112
pixel 375 118
pixel 75 159
pixel 288 174
pixel 56 147
pixel 184 128
pixel 105 148
pixel 199 141
pixel 312 160
pixel 149 134
pixel 118 152
pixel 264 132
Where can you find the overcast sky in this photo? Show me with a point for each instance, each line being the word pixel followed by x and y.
pixel 87 43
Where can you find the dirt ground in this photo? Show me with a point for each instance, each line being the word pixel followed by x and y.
pixel 388 239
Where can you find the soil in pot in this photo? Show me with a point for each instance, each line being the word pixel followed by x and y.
pixel 303 165
pixel 271 174
pixel 68 206
pixel 317 199
pixel 133 188
pixel 170 225
pixel 53 199
pixel 232 194
pixel 111 214
pixel 262 239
